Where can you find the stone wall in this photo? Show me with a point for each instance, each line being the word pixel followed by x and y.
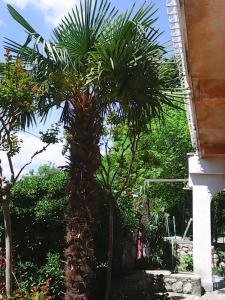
pixel 186 248
pixel 184 283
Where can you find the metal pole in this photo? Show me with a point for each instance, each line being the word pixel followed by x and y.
pixel 187 228
pixel 174 227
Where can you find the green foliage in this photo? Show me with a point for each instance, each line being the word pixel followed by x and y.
pixel 221 255
pixel 117 56
pixel 46 170
pixel 13 147
pixel 51 135
pixel 129 213
pixel 218 215
pixel 170 72
pixel 154 232
pixel 53 271
pixel 219 271
pixel 26 273
pixel 18 92
pixel 102 60
pixel 38 216
pixel 188 262
pixel 49 211
pixel 161 153
pixel 38 202
pixel 36 293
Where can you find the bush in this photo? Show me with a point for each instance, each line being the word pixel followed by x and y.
pixel 221 255
pixel 31 278
pixel 220 269
pixel 36 293
pixel 38 225
pixel 38 215
pixel 27 275
pixel 188 262
pixel 53 272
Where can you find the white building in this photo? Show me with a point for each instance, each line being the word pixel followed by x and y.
pixel 198 34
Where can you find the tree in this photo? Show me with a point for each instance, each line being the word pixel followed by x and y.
pixel 38 226
pixel 16 98
pixel 161 153
pixel 18 92
pixel 218 217
pixel 108 172
pixel 99 61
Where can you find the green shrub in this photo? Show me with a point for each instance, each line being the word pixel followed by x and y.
pixel 30 277
pixel 53 271
pixel 219 271
pixel 188 262
pixel 36 293
pixel 26 274
pixel 49 210
pixel 38 215
pixel 221 255
pixel 38 225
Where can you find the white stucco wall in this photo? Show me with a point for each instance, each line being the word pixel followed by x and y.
pixel 206 177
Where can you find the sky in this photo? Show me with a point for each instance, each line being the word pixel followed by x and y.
pixel 44 15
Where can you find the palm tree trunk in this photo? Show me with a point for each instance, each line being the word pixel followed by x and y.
pixel 84 156
pixel 8 246
pixel 110 246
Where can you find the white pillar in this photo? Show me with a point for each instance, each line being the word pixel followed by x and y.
pixel 202 235
pixel 206 177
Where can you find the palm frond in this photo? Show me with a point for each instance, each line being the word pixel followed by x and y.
pixel 81 29
pixel 43 59
pixel 128 67
pixel 40 47
pixel 20 19
pixel 26 119
pixel 116 57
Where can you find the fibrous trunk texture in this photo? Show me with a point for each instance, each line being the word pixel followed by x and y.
pixel 85 156
pixel 110 246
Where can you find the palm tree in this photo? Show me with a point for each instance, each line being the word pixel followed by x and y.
pixel 98 62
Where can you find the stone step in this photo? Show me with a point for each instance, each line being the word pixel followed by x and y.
pixel 218 282
pixel 184 283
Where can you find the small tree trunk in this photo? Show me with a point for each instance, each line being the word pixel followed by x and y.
pixel 8 233
pixel 8 245
pixel 110 247
pixel 84 161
